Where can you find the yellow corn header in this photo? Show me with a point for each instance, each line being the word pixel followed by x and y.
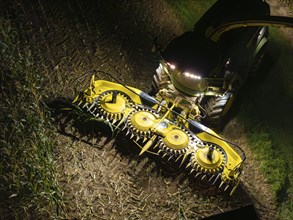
pixel 166 128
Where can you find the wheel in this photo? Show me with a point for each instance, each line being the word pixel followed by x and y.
pixel 155 84
pixel 258 60
pixel 153 91
pixel 216 109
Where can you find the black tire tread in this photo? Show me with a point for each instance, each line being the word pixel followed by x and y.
pixel 214 111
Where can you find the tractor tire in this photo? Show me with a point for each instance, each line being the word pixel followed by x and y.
pixel 155 84
pixel 258 61
pixel 216 109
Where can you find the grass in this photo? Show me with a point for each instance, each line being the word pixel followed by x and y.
pixel 288 2
pixel 273 157
pixel 267 152
pixel 266 114
pixel 189 11
pixel 28 185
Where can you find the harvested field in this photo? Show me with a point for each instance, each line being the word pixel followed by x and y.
pixel 104 178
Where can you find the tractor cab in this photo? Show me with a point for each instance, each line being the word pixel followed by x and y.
pixel 191 60
pixel 216 58
pixel 202 65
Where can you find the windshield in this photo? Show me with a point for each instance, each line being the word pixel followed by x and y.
pixel 194 84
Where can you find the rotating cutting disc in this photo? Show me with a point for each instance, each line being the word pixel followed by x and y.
pixel 176 139
pixel 175 143
pixel 140 123
pixel 112 104
pixel 142 120
pixel 209 159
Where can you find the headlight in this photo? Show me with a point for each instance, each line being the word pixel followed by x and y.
pixel 189 83
pixel 173 67
pixel 191 75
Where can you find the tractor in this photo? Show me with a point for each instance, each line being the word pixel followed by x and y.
pixel 210 64
pixel 198 77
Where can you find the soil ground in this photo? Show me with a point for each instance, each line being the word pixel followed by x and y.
pixel 104 179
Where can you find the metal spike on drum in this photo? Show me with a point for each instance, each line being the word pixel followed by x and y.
pixel 94 111
pixel 221 184
pixel 144 139
pixel 137 138
pixel 217 178
pixel 132 135
pixel 85 104
pixel 178 158
pixel 125 126
pixel 197 175
pixel 210 179
pixel 120 123
pixel 92 105
pixel 188 165
pixel 183 159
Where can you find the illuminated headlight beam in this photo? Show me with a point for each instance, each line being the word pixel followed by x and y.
pixel 172 66
pixel 191 75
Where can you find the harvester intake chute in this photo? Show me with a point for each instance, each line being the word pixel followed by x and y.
pixel 270 21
